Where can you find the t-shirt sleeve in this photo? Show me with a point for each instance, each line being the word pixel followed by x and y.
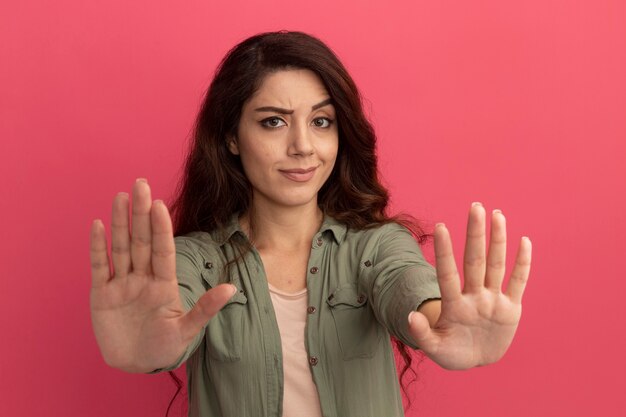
pixel 398 279
pixel 191 287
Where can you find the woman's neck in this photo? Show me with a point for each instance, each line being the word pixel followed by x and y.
pixel 281 228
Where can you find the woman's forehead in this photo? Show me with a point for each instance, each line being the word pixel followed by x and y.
pixel 290 89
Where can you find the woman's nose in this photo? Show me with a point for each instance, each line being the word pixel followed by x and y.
pixel 301 143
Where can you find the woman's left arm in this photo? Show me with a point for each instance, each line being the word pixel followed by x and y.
pixel 475 325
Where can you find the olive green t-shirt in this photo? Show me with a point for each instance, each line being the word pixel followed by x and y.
pixel 361 284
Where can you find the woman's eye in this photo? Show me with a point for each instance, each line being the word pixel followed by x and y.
pixel 272 122
pixel 322 122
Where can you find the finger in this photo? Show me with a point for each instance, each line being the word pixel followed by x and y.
pixel 474 258
pixel 447 274
pixel 206 307
pixel 521 270
pixel 100 273
pixel 496 259
pixel 422 334
pixel 163 248
pixel 141 235
pixel 120 239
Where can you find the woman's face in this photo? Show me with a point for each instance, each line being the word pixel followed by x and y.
pixel 287 138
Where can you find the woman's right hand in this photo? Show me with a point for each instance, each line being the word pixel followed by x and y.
pixel 138 319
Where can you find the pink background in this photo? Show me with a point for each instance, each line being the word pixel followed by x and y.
pixel 520 105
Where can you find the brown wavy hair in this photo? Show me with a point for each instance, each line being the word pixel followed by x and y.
pixel 214 185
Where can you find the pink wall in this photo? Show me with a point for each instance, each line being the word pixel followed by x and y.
pixel 520 105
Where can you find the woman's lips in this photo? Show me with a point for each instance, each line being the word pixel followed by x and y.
pixel 299 175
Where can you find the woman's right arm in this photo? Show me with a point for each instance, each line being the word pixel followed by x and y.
pixel 137 316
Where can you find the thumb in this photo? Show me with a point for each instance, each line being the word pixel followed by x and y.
pixel 420 330
pixel 206 307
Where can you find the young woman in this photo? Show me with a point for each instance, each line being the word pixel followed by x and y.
pixel 286 276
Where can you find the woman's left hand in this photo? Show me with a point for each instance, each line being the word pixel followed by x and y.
pixel 476 324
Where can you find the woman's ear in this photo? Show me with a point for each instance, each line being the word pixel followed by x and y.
pixel 232 145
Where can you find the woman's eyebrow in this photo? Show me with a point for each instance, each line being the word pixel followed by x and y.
pixel 287 111
pixel 322 104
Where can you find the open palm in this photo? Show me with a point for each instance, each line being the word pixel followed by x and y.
pixel 137 315
pixel 477 323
